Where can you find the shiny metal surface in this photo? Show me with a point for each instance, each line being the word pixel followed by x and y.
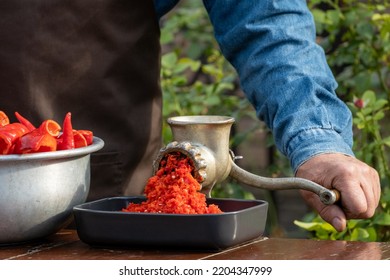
pixel 38 191
pixel 326 196
pixel 205 140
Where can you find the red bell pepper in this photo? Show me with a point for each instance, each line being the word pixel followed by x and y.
pixel 25 121
pixel 9 134
pixel 79 139
pixel 66 140
pixel 5 143
pixel 50 127
pixel 34 142
pixel 4 120
pixel 23 137
pixel 88 135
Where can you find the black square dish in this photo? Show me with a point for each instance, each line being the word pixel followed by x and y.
pixel 102 223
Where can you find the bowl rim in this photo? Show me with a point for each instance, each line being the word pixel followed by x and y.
pixel 96 145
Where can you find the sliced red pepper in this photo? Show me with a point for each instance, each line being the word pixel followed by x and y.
pixel 15 126
pixel 82 138
pixel 79 139
pixel 51 127
pixel 25 121
pixel 88 135
pixel 28 143
pixel 5 142
pixel 48 144
pixel 67 141
pixel 34 142
pixel 24 137
pixel 59 141
pixel 4 120
pixel 9 134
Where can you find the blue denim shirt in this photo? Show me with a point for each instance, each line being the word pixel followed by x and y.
pixel 283 72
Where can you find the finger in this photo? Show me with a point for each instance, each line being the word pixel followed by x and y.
pixel 372 188
pixel 332 214
pixel 360 190
pixel 370 192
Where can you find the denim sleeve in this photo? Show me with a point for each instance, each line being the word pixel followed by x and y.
pixel 284 74
pixel 164 6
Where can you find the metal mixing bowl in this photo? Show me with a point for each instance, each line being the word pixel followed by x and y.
pixel 38 191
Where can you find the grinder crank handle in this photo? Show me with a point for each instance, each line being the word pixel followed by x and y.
pixel 327 196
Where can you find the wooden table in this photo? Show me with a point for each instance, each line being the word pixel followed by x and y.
pixel 65 245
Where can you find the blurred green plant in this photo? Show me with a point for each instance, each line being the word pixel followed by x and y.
pixel 356 38
pixel 197 80
pixel 368 112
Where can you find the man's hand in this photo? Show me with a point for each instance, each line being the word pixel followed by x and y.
pixel 357 183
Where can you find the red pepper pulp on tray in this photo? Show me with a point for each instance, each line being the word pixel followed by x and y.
pixel 174 190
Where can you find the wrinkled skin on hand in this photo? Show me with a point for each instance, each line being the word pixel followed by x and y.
pixel 357 183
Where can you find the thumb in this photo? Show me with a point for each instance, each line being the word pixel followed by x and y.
pixel 333 214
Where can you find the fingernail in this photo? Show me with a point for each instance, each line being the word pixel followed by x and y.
pixel 338 224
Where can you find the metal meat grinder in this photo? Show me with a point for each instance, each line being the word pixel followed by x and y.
pixel 205 140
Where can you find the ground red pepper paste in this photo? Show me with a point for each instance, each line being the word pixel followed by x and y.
pixel 174 190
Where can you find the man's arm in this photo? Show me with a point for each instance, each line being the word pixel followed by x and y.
pixel 285 75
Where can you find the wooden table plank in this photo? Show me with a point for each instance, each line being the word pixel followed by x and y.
pixel 65 245
pixel 302 249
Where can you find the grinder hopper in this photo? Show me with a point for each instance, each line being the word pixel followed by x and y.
pixel 205 140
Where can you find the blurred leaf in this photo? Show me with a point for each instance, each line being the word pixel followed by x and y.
pixel 307 226
pixel 381 103
pixel 194 65
pixel 359 234
pixel 382 219
pixel 369 96
pixel 169 60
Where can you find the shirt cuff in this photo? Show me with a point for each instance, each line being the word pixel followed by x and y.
pixel 312 142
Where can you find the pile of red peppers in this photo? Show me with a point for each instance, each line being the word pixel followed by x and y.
pixel 22 137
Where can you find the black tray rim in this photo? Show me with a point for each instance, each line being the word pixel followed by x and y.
pixel 81 207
